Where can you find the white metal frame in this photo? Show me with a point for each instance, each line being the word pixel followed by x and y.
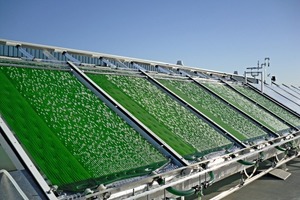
pixel 26 160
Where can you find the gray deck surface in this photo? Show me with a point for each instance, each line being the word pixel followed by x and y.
pixel 272 188
pixel 267 187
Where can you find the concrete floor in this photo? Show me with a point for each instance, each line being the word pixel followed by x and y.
pixel 267 187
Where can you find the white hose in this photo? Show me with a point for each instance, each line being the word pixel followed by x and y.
pixel 12 180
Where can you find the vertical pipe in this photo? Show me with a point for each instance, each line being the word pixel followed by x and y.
pixel 262 82
pixel 265 72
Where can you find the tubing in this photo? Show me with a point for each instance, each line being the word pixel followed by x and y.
pixel 181 193
pixel 161 167
pixel 189 192
pixel 212 178
pixel 14 183
pixel 280 148
pixel 177 192
pixel 244 162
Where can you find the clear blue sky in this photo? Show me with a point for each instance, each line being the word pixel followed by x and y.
pixel 223 35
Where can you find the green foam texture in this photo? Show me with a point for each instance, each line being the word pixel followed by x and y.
pixel 179 128
pixel 215 109
pixel 91 143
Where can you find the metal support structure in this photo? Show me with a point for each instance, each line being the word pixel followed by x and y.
pixel 262 85
pixel 260 106
pixel 253 120
pixel 163 70
pixel 184 73
pixel 161 146
pixel 107 62
pixel 266 64
pixel 25 53
pixel 138 67
pixel 71 58
pixel 49 55
pixel 120 63
pixel 263 72
pixel 222 167
pixel 25 160
pixel 60 50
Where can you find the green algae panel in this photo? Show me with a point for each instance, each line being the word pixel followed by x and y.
pixel 273 107
pixel 215 109
pixel 52 158
pixel 177 126
pixel 103 145
pixel 247 106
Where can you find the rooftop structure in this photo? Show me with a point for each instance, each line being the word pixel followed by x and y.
pixel 78 124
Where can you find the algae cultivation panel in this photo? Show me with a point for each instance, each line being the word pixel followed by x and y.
pixel 273 107
pixel 72 136
pixel 247 106
pixel 178 127
pixel 215 109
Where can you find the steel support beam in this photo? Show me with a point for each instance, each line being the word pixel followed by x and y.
pixel 163 70
pixel 25 53
pixel 49 55
pixel 107 62
pixel 71 58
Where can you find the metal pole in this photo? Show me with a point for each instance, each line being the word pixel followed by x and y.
pixel 267 64
pixel 262 82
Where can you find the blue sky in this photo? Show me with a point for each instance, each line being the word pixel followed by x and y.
pixel 223 35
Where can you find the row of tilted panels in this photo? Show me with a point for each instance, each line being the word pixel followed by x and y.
pixel 78 141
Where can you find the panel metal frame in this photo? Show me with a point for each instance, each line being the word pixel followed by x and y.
pixel 24 158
